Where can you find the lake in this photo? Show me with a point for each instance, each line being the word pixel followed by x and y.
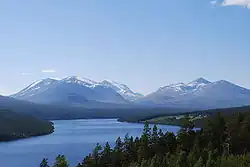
pixel 73 138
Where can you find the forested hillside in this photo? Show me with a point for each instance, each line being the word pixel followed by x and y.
pixel 223 141
pixel 176 118
pixel 16 126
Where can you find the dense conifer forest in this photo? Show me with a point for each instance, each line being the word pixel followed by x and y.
pixel 223 141
pixel 16 126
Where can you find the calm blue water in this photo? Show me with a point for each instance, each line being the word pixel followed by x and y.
pixel 73 138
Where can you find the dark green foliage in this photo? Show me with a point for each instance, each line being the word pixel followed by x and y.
pixel 16 126
pixel 44 163
pixel 222 142
pixel 61 161
pixel 199 163
pixel 182 159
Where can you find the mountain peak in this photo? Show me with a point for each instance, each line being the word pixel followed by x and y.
pixel 201 80
pixel 106 81
pixel 79 80
pixel 184 88
pixel 198 83
pixel 35 86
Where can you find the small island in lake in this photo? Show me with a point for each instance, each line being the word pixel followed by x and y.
pixel 15 126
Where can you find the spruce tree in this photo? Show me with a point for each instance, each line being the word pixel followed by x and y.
pixel 106 155
pixel 146 134
pixel 95 153
pixel 155 134
pixel 182 159
pixel 44 163
pixel 61 161
pixel 199 163
pixel 211 162
pixel 118 153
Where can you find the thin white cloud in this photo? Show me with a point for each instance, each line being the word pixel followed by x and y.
pixel 49 71
pixel 244 3
pixel 213 2
pixel 26 74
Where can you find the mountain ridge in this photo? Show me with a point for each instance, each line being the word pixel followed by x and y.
pixel 200 93
pixel 76 88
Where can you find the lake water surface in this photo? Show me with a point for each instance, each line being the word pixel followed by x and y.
pixel 73 138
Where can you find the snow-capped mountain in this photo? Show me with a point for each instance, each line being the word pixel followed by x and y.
pixel 175 90
pixel 81 81
pixel 68 90
pixel 75 90
pixel 35 88
pixel 200 93
pixel 198 83
pixel 183 88
pixel 122 89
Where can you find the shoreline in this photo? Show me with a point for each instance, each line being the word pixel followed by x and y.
pixel 20 135
pixel 26 137
pixel 151 123
pixel 155 123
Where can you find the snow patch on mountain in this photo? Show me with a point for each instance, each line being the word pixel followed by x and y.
pixel 179 87
pixel 183 88
pixel 122 89
pixel 79 80
pixel 200 93
pixel 103 86
pixel 200 82
pixel 35 87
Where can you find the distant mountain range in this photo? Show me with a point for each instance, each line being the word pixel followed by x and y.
pixel 198 94
pixel 75 90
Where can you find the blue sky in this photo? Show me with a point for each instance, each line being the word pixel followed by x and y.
pixel 144 44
